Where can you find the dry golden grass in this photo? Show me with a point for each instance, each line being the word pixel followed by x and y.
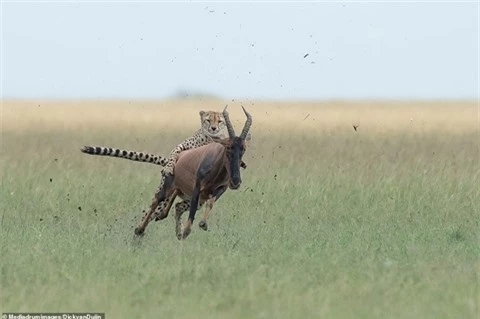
pixel 454 117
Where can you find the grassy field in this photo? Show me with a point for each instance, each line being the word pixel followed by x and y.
pixel 329 223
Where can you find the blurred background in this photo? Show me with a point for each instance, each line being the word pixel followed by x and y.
pixel 274 51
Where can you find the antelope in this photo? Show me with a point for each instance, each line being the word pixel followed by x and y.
pixel 202 175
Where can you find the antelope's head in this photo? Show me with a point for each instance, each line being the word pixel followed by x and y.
pixel 235 148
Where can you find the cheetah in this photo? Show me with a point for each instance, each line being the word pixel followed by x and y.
pixel 197 140
pixel 213 127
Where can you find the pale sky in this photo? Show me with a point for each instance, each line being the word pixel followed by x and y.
pixel 152 50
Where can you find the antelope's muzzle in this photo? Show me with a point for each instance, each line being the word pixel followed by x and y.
pixel 235 183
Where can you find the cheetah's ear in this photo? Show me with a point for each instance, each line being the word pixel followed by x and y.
pixel 202 113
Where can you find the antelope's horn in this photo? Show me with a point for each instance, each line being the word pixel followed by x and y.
pixel 231 132
pixel 248 123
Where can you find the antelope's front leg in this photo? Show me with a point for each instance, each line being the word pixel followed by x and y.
pixel 180 208
pixel 193 209
pixel 209 205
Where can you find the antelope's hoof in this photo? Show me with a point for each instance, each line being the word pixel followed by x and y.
pixel 139 231
pixel 185 233
pixel 203 225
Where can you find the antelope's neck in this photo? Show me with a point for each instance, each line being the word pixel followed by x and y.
pixel 223 172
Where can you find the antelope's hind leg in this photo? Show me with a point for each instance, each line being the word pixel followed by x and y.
pixel 159 197
pixel 147 217
pixel 167 204
pixel 157 214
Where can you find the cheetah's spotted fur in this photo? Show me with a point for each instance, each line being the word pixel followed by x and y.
pixel 212 127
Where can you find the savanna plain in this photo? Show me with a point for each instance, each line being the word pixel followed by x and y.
pixel 381 222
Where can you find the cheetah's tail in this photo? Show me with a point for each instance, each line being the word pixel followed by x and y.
pixel 130 155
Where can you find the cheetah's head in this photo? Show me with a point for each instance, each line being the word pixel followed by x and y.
pixel 213 124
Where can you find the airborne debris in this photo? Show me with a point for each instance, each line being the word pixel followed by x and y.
pixel 51 179
pixel 80 208
pixel 306 116
pixel 306 55
pixel 355 126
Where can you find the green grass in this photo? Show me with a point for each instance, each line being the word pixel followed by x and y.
pixel 338 225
